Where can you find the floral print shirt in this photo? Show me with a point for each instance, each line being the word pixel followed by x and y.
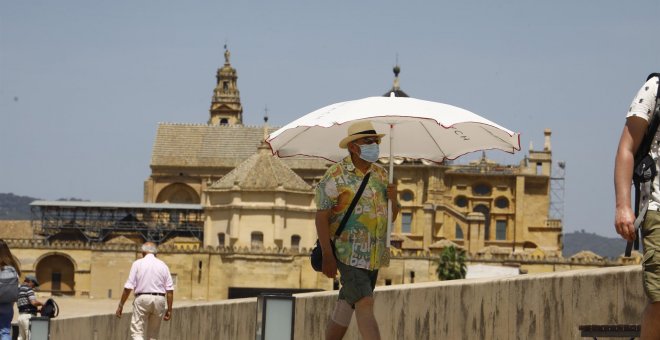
pixel 362 243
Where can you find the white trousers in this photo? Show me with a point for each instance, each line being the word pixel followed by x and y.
pixel 24 326
pixel 149 310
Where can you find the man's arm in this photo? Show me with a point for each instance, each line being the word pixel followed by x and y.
pixel 36 302
pixel 170 300
pixel 323 231
pixel 124 296
pixel 631 138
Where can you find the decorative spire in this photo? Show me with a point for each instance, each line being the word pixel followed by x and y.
pixel 546 144
pixel 227 54
pixel 265 122
pixel 396 91
pixel 397 70
pixel 226 108
pixel 395 86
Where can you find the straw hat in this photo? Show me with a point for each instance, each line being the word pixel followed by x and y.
pixel 359 130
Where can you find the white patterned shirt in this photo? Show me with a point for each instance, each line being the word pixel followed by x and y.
pixel 642 106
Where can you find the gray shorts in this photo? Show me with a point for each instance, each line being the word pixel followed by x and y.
pixel 356 283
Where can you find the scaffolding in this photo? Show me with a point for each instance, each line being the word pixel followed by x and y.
pixel 97 221
pixel 557 181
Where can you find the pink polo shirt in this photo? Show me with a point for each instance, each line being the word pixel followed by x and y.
pixel 149 275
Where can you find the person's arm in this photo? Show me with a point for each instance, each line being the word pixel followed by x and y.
pixel 36 302
pixel 631 138
pixel 170 300
pixel 124 296
pixel 323 231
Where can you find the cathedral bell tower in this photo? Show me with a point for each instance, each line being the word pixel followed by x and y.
pixel 226 108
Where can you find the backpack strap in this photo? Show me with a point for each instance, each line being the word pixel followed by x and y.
pixel 644 170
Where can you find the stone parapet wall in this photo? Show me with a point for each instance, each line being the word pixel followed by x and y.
pixel 542 306
pixel 396 253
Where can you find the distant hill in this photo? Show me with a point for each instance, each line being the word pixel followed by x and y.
pixel 604 246
pixel 14 207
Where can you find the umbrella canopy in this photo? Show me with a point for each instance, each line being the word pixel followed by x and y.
pixel 418 129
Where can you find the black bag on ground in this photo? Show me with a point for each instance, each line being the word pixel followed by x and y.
pixel 50 309
pixel 316 257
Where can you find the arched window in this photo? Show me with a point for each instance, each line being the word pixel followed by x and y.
pixel 295 242
pixel 461 201
pixel 484 210
pixel 56 273
pixel 257 240
pixel 459 232
pixel 178 193
pixel 482 189
pixel 224 121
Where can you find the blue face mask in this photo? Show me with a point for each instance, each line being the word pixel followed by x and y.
pixel 369 152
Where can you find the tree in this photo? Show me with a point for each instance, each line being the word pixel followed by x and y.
pixel 451 264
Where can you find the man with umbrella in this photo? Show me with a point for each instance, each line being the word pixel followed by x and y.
pixel 361 248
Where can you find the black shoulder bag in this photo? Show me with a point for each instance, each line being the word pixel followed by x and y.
pixel 644 170
pixel 316 256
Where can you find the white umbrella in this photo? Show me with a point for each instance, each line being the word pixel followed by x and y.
pixel 417 129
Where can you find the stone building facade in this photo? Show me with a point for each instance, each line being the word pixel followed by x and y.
pixel 258 214
pixel 190 160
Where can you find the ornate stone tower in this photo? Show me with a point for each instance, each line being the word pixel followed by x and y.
pixel 226 108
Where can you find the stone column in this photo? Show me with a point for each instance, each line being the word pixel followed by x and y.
pixel 476 232
pixel 279 212
pixel 429 217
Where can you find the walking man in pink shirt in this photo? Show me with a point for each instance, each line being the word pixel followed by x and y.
pixel 154 292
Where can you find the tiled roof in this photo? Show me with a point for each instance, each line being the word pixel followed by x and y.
pixel 262 171
pixel 202 145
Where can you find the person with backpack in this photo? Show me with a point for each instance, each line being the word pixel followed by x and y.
pixel 637 160
pixel 28 305
pixel 9 273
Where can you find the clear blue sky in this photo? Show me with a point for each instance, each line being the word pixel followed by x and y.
pixel 83 84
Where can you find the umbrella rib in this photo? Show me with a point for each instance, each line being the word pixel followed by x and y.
pixel 433 139
pixel 494 135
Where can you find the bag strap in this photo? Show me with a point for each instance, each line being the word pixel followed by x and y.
pixel 358 194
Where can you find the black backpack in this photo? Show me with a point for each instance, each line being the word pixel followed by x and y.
pixel 50 309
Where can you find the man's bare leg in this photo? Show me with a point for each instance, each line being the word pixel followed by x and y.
pixel 366 321
pixel 339 321
pixel 334 331
pixel 651 322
